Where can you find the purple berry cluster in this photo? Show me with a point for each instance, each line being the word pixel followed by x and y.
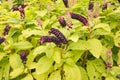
pixel 6 30
pixel 66 3
pixel 23 57
pixel 62 21
pixel 80 18
pixel 59 35
pixel 20 8
pixel 49 39
pixel 2 39
pixel 58 39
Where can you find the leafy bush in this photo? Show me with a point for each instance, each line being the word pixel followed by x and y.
pixel 59 40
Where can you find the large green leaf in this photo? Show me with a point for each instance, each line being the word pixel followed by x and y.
pixel 95 47
pixel 79 45
pixel 72 72
pixel 16 64
pixel 55 76
pixel 99 65
pixel 57 55
pixel 118 61
pixel 15 61
pixel 43 65
pixel 84 74
pixel 39 50
pixel 28 77
pixel 92 73
pixel 101 29
pixel 28 32
pixel 22 45
pixel 16 72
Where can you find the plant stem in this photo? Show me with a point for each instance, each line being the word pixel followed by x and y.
pixel 85 58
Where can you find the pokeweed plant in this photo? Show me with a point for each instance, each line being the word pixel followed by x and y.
pixel 36 45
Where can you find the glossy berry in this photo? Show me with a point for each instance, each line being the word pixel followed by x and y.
pixel 91 5
pixel 23 57
pixel 59 35
pixel 53 39
pixel 6 30
pixel 2 39
pixel 62 21
pixel 80 18
pixel 66 3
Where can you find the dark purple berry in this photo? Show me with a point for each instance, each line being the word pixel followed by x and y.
pixel 62 21
pixel 59 35
pixel 23 57
pixel 80 18
pixel 119 1
pixel 105 5
pixel 15 8
pixel 91 5
pixel 2 39
pixel 6 30
pixel 66 3
pixel 53 39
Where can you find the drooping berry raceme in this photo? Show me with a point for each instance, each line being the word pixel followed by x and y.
pixel 80 18
pixel 66 3
pixel 62 21
pixel 53 39
pixel 23 57
pixel 2 39
pixel 59 35
pixel 6 30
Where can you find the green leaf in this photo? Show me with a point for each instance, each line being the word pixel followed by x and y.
pixel 101 29
pixel 84 73
pixel 95 47
pixel 39 50
pixel 92 73
pixel 117 39
pixel 40 76
pixel 4 69
pixel 99 66
pixel 74 54
pixel 28 77
pixel 15 61
pixel 109 78
pixel 74 37
pixel 118 61
pixel 72 72
pixel 2 55
pixel 43 65
pixel 16 72
pixel 57 55
pixel 55 76
pixel 79 45
pixel 23 45
pixel 28 32
pixel 41 13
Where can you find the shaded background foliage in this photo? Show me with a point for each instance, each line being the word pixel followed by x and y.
pixel 92 51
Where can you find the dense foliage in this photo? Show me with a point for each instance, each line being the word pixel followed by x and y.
pixel 60 40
